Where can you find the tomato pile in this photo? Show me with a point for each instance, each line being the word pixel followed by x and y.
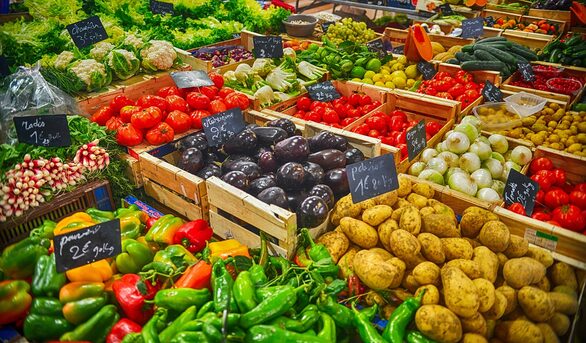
pixel 564 83
pixel 392 128
pixel 336 113
pixel 157 118
pixel 557 202
pixel 460 87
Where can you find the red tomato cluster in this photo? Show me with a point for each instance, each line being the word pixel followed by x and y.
pixel 337 113
pixel 557 201
pixel 460 87
pixel 392 128
pixel 157 118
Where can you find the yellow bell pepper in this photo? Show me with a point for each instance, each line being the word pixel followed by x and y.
pixel 230 247
pixel 98 271
pixel 74 222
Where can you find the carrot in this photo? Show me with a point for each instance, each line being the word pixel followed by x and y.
pixel 196 276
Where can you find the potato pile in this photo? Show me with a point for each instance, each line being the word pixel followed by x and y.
pixel 482 283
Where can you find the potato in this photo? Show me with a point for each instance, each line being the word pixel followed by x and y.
pixel 401 203
pixel 517 314
pixel 488 263
pixel 541 255
pixel 438 323
pixel 417 200
pixel 485 291
pixel 423 189
pixel 366 204
pixel 498 309
pixel 460 293
pixel 373 297
pixel 402 294
pixel 410 283
pixel 523 271
pixel 490 326
pixel 426 210
pixel 404 244
pixel 431 296
pixel 336 242
pixel 410 220
pixel 400 267
pixel 384 232
pixel 389 198
pixel 457 248
pixel 373 271
pixel 495 236
pixel 441 208
pixel 345 208
pixel 469 267
pixel 549 335
pixel 562 274
pixel 517 247
pixel 404 186
pixel 502 260
pixel 359 232
pixel 543 284
pixel 440 225
pixel 474 243
pixel 560 323
pixel 566 290
pixel 474 324
pixel 426 273
pixel 431 247
pixel 387 311
pixel 564 303
pixel 397 213
pixel 346 263
pixel 473 219
pixel 518 331
pixel 536 304
pixel 376 214
pixel 411 261
pixel 511 294
pixel 473 338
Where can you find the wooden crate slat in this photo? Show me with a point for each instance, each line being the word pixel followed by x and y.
pixel 534 42
pixel 174 201
pixel 574 165
pixel 133 171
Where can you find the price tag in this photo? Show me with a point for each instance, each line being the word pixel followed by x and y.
pixel 268 46
pixel 491 93
pixel 541 239
pixel 400 50
pixel 46 130
pixel 87 32
pixel 519 188
pixel 191 78
pixel 416 140
pixel 426 69
pixel 378 47
pixel 77 248
pixel 372 177
pixel 472 28
pixel 4 70
pixel 222 126
pixel 323 91
pixel 162 8
pixel 326 25
pixel 446 9
pixel 526 71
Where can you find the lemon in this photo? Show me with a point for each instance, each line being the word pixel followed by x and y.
pixel 390 85
pixel 357 79
pixel 385 68
pixel 402 59
pixel 379 83
pixel 385 71
pixel 397 66
pixel 399 73
pixel 373 64
pixel 399 82
pixel 387 77
pixel 357 72
pixel 410 83
pixel 377 77
pixel 391 63
pixel 411 71
pixel 369 81
pixel 369 74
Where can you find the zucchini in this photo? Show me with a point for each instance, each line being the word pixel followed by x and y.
pixel 468 48
pixel 499 54
pixel 482 55
pixel 529 55
pixel 463 57
pixel 483 65
pixel 498 45
pixel 453 61
pixel 491 40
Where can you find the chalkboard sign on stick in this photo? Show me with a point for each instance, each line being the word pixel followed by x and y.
pixel 47 130
pixel 162 8
pixel 377 46
pixel 416 140
pixel 370 178
pixel 446 9
pixel 526 71
pixel 77 248
pixel 191 78
pixel 491 93
pixel 520 188
pixel 87 32
pixel 222 126
pixel 323 91
pixel 426 69
pixel 268 46
pixel 472 28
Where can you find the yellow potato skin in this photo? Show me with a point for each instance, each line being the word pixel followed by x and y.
pixel 431 296
pixel 410 220
pixel 511 294
pixel 495 235
pixel 375 215
pixel 384 232
pixel 404 244
pixel 460 293
pixel 498 309
pixel 560 323
pixel 518 247
pixel 431 247
pixel 469 267
pixel 475 324
pixel 549 335
pixel 426 273
pixel 518 331
pixel 473 219
pixel 423 189
pixel 541 255
pixel 473 338
pixel 536 304
pixel 523 271
pixel 438 323
pixel 359 232
pixel 373 271
pixel 455 248
pixel 441 225
pixel 562 274
pixel 488 262
pixel 485 291
pixel 345 208
pixel 336 242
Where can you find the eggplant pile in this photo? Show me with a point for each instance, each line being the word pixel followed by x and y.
pixel 278 166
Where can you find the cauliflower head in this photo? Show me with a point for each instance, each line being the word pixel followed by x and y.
pixel 158 55
pixel 92 73
pixel 63 60
pixel 123 63
pixel 100 50
pixel 133 41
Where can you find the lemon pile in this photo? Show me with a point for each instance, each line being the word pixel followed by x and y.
pixel 398 73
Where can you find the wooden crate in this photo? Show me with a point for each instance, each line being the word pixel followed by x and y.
pixel 491 32
pixel 448 42
pixel 562 27
pixel 245 40
pixel 533 41
pixel 133 171
pixel 396 36
pixel 561 103
pixel 495 7
pixel 496 14
pixel 564 16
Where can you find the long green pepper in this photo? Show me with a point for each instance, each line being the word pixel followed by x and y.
pixel 270 308
pixel 418 337
pixel 222 284
pixel 244 292
pixel 401 317
pixel 366 330
pixel 342 315
pixel 328 328
pixel 175 327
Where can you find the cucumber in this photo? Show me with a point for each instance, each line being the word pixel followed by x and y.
pixel 491 40
pixel 483 65
pixel 528 55
pixel 482 55
pixel 499 54
pixel 453 61
pixel 463 57
pixel 518 57
pixel 468 48
pixel 498 45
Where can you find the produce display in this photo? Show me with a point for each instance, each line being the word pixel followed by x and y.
pixel 440 53
pixel 349 30
pixel 538 26
pixel 223 55
pixel 561 5
pixel 550 79
pixel 460 87
pixel 396 73
pixel 566 49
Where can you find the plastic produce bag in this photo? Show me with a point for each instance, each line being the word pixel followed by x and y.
pixel 27 93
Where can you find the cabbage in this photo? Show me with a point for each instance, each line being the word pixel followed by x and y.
pixel 123 63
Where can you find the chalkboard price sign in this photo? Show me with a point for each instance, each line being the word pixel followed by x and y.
pixel 4 70
pixel 491 93
pixel 268 47
pixel 416 140
pixel 87 32
pixel 399 50
pixel 378 47
pixel 191 78
pixel 323 91
pixel 326 25
pixel 370 178
pixel 77 248
pixel 519 188
pixel 426 69
pixel 46 130
pixel 472 28
pixel 446 9
pixel 222 126
pixel 526 71
pixel 162 8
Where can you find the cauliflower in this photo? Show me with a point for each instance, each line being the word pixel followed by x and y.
pixel 133 41
pixel 93 74
pixel 100 50
pixel 123 63
pixel 63 60
pixel 158 55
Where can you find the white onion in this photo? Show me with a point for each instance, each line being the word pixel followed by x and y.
pixel 416 168
pixel 457 142
pixel 428 154
pixel 481 149
pixel 463 183
pixel 469 162
pixel 498 186
pixel 467 129
pixel 499 143
pixel 483 140
pixel 508 166
pixel 452 171
pixel 432 175
pixel 495 167
pixel 471 120
pixel 521 155
pixel 488 194
pixel 498 156
pixel 482 178
pixel 450 158
pixel 438 164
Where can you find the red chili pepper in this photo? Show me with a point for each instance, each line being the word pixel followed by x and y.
pixel 193 235
pixel 121 329
pixel 131 299
pixel 355 287
pixel 196 276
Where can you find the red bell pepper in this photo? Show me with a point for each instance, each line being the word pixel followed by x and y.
pixel 121 329
pixel 132 299
pixel 196 276
pixel 193 235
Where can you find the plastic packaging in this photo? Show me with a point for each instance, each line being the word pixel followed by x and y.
pixel 525 104
pixel 495 117
pixel 564 86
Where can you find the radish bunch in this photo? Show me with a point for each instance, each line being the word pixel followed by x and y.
pixel 92 157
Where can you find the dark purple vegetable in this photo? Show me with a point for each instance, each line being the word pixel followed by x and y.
pixel 252 126
pixel 321 141
pixel 269 135
pixel 340 143
pixel 312 212
pixel 230 160
pixel 260 150
pixel 324 192
pixel 211 157
pixel 267 162
pixel 284 124
pixel 353 155
pixel 191 160
pixel 291 176
pixel 242 143
pixel 314 174
pixel 251 169
pixel 295 198
pixel 192 141
pixel 328 159
pixel 237 179
pixel 293 149
pixel 209 170
pixel 261 184
pixel 274 196
pixel 337 180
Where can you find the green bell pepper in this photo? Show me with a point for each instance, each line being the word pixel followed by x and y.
pixel 176 256
pixel 134 256
pixel 100 216
pixel 45 320
pixel 45 230
pixel 18 260
pixel 164 229
pixel 46 281
pixel 132 211
pixel 96 328
pixel 79 311
pixel 270 308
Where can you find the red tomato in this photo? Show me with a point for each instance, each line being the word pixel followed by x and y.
pixel 540 163
pixel 432 127
pixel 209 91
pixel 396 123
pixel 152 100
pixel 198 101
pixel 402 137
pixel 217 106
pixel 304 103
pixel 347 121
pixel 579 199
pixel 361 129
pixel 354 99
pixel 464 77
pixel 456 90
pixel 472 94
pixel 374 133
pixel 127 111
pixel 559 176
pixel 217 79
pixel 364 100
pixel 404 152
pixel 147 118
pixel 376 103
pixel 197 116
pixel 128 135
pixel 102 115
pixel 225 91
pixel 544 181
pixel 540 196
pixel 517 208
pixel 331 116
pixel 441 75
pixel 445 95
pixel 120 101
pixel 176 103
pixel 179 121
pixel 465 100
pixel 114 123
pixel 171 90
pixel 388 140
pixel 376 122
pixel 471 85
pixel 237 100
pixel 313 116
pixel 541 216
pixel 555 198
pixel 570 217
pixel 160 134
pixel 431 91
pixel 368 108
pixel 580 187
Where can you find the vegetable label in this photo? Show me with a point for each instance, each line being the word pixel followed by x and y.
pixel 491 93
pixel 526 71
pixel 268 46
pixel 472 28
pixel 191 78
pixel 521 189
pixel 541 239
pixel 222 126
pixel 372 177
pixel 46 130
pixel 378 47
pixel 77 248
pixel 446 9
pixel 426 69
pixel 4 70
pixel 162 8
pixel 326 25
pixel 87 32
pixel 416 140
pixel 323 91
pixel 400 50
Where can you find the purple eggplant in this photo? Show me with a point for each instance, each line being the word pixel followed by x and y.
pixel 328 159
pixel 291 176
pixel 312 212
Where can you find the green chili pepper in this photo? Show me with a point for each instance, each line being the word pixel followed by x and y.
pixel 281 263
pixel 207 307
pixel 270 308
pixel 237 335
pixel 96 328
pixel 342 315
pixel 394 332
pixel 222 287
pixel 328 328
pixel 268 292
pixel 150 331
pixel 190 337
pixel 317 251
pixel 272 334
pixel 135 337
pixel 175 327
pixel 179 299
pixel 244 292
pixel 366 330
pixel 212 333
pixel 370 312
pixel 100 216
pixel 306 320
pixel 335 287
pixel 258 276
pixel 418 337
